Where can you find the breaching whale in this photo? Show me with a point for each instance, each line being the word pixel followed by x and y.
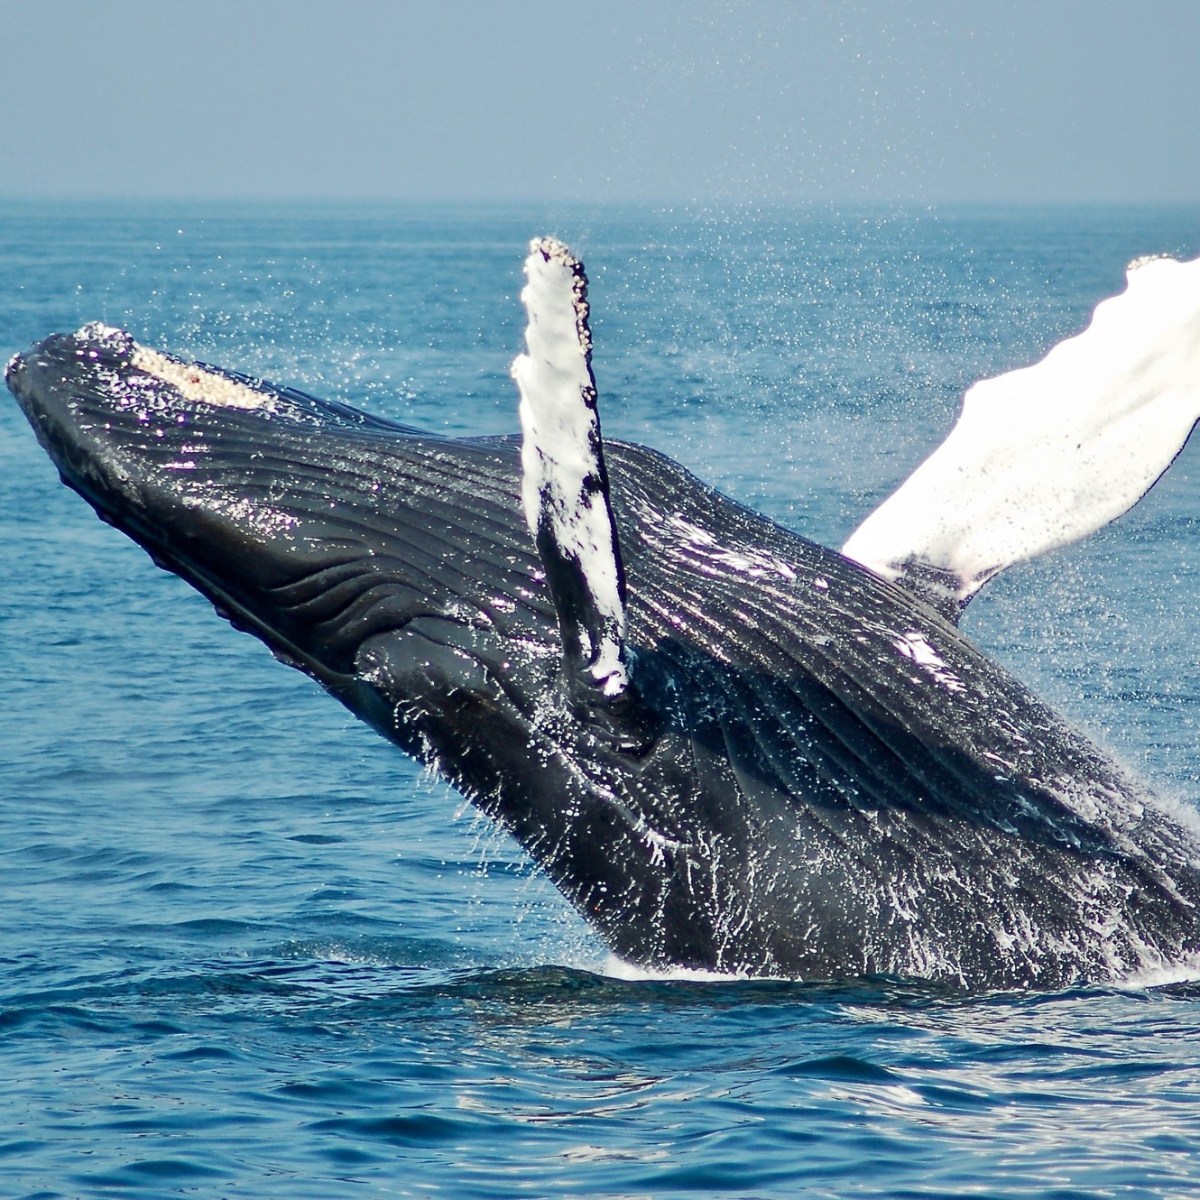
pixel 730 748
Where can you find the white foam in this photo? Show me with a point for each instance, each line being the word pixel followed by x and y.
pixel 757 564
pixel 1186 971
pixel 616 967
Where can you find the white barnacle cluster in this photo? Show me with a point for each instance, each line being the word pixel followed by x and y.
pixel 196 384
pixel 107 337
pixel 106 348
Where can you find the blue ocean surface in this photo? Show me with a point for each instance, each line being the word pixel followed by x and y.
pixel 247 948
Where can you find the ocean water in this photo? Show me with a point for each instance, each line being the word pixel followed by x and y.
pixel 248 949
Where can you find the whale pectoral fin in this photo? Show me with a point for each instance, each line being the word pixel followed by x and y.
pixel 1043 456
pixel 565 484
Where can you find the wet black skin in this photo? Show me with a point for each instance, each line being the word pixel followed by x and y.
pixel 785 791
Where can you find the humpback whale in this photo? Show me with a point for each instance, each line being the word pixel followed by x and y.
pixel 730 748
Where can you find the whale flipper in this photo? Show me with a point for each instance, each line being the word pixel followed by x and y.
pixel 1045 455
pixel 564 487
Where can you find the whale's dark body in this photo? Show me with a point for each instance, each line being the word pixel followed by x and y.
pixel 818 775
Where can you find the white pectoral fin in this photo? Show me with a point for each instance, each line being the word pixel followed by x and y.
pixel 1045 455
pixel 565 484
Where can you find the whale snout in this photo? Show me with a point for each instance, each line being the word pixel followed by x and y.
pixel 40 380
pixel 142 451
pixel 316 526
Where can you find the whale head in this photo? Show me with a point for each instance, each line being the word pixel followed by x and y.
pixel 394 567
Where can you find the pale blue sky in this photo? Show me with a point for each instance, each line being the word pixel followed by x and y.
pixel 552 100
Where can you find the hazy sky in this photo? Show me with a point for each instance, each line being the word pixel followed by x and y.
pixel 735 101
